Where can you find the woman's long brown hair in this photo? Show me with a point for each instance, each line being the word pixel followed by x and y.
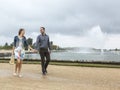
pixel 20 31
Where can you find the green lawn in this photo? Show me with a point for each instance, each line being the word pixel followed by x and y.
pixel 78 64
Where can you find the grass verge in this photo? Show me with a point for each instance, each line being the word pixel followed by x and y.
pixel 78 64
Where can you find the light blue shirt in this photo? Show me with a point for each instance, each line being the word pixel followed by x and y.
pixel 43 42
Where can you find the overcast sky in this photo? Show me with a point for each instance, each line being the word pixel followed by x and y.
pixel 69 23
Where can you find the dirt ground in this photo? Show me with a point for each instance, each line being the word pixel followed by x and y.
pixel 59 78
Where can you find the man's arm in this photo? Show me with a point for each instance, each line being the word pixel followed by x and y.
pixel 37 43
pixel 49 46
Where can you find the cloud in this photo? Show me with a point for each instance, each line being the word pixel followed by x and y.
pixel 63 16
pixel 69 18
pixel 113 41
pixel 5 39
pixel 94 38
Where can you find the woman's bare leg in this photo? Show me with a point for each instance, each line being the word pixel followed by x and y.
pixel 16 67
pixel 20 66
pixel 19 69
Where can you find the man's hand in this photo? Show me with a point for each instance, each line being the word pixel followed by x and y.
pixel 49 51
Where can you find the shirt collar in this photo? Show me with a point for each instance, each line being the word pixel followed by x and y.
pixel 43 34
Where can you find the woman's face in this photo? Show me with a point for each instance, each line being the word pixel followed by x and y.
pixel 23 33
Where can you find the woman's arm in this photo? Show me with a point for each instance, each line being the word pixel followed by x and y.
pixel 30 47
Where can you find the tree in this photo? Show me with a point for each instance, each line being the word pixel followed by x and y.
pixel 51 43
pixel 30 41
pixel 11 44
pixel 6 44
pixel 116 49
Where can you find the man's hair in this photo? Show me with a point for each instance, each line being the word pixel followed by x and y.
pixel 20 30
pixel 43 28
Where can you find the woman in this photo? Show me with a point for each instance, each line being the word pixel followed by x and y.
pixel 20 43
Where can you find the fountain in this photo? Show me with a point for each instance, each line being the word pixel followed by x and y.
pixel 97 38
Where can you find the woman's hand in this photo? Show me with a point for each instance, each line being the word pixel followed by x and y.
pixel 13 51
pixel 36 51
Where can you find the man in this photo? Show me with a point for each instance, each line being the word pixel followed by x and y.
pixel 43 46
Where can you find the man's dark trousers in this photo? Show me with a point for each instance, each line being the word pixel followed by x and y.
pixel 44 53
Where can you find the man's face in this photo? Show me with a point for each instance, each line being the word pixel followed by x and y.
pixel 42 30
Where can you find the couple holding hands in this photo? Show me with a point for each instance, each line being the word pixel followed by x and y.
pixel 42 46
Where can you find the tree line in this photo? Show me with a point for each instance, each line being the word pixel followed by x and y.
pixel 7 46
